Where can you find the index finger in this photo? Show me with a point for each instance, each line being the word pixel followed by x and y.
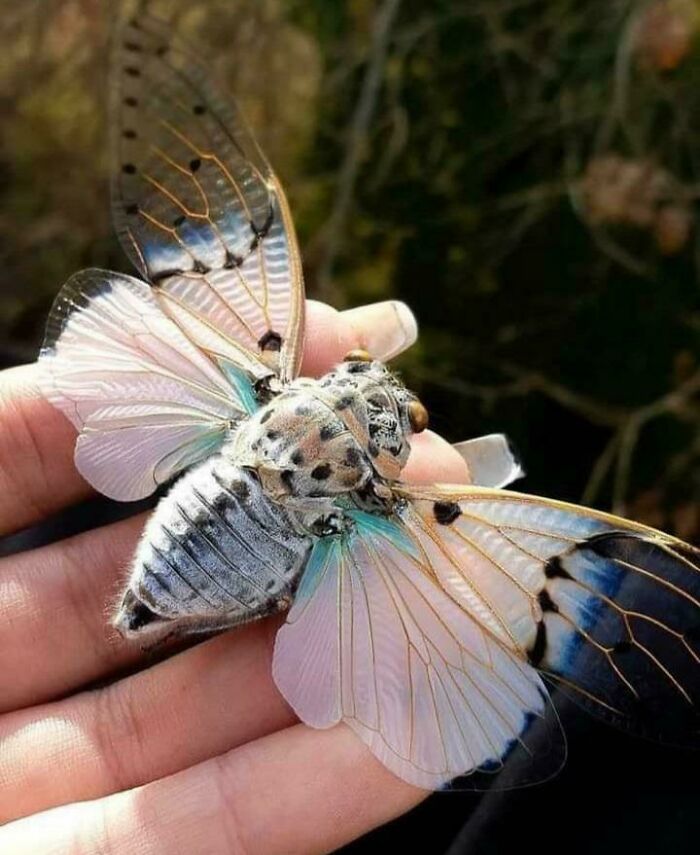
pixel 37 473
pixel 295 791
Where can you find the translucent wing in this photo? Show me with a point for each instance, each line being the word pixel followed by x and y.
pixel 608 608
pixel 374 641
pixel 491 460
pixel 198 208
pixel 146 400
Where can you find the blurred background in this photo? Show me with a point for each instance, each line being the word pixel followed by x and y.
pixel 526 175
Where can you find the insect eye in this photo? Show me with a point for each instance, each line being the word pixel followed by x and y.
pixel 357 356
pixel 417 417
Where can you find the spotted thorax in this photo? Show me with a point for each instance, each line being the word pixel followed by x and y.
pixel 423 617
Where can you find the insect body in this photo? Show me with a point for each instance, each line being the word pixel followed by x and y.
pixel 423 617
pixel 230 540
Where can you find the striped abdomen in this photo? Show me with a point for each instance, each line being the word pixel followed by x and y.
pixel 216 552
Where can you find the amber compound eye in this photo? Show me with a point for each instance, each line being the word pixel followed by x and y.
pixel 417 417
pixel 357 356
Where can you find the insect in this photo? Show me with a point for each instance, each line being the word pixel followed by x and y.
pixel 423 617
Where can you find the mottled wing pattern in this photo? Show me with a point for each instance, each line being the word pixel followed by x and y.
pixel 607 608
pixel 374 641
pixel 198 208
pixel 147 402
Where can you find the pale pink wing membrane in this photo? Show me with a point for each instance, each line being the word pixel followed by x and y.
pixel 432 693
pixel 146 400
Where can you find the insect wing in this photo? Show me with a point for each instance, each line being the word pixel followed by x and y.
pixel 198 208
pixel 491 460
pixel 609 609
pixel 147 402
pixel 374 641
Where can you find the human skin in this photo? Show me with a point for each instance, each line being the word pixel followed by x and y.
pixel 198 753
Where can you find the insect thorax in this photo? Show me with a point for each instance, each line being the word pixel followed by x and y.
pixel 322 438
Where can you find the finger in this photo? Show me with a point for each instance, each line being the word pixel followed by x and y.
pixel 200 703
pixel 434 460
pixel 37 474
pixel 55 601
pixel 295 791
pixel 382 329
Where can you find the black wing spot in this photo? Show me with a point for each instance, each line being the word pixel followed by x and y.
pixel 131 209
pixel 129 169
pixel 547 604
pixel 321 472
pixel 129 134
pixel 130 101
pixel 607 543
pixel 133 71
pixel 539 648
pixel 270 341
pixel 232 261
pixel 261 231
pixel 200 267
pixel 165 274
pixel 553 569
pixel 446 512
pixel 195 163
pixel 199 109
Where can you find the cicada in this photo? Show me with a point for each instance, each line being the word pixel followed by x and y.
pixel 423 617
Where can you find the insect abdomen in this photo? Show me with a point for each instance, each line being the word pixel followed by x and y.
pixel 216 552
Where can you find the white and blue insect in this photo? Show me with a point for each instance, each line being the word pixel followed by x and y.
pixel 423 617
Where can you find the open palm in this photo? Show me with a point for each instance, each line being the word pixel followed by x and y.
pixel 198 753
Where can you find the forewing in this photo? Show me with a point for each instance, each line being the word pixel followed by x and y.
pixel 198 208
pixel 607 608
pixel 374 641
pixel 147 402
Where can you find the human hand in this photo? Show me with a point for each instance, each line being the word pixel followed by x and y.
pixel 198 753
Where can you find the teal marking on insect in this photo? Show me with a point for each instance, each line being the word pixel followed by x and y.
pixel 369 525
pixel 324 552
pixel 242 386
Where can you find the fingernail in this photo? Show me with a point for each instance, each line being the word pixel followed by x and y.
pixel 383 329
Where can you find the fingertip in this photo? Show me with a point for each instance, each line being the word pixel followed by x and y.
pixel 432 460
pixel 382 329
